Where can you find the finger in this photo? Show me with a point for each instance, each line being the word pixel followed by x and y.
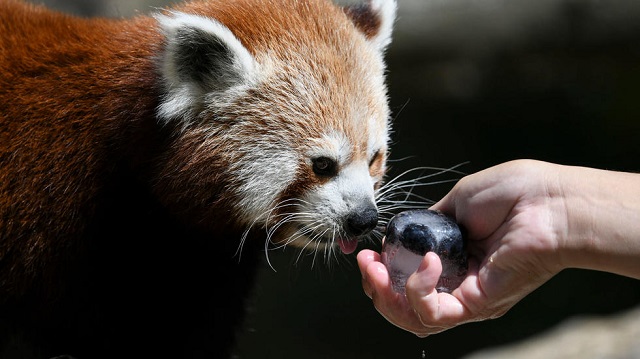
pixel 391 305
pixel 365 258
pixel 379 285
pixel 434 310
pixel 445 204
pixel 424 280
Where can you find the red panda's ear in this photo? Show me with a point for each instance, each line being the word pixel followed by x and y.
pixel 202 59
pixel 375 19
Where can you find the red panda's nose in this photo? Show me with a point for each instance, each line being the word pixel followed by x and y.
pixel 362 220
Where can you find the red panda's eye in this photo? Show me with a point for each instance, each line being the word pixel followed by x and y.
pixel 324 166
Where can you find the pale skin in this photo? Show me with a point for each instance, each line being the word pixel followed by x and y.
pixel 527 221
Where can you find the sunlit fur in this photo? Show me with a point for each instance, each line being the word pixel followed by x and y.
pixel 135 153
pixel 304 89
pixel 223 143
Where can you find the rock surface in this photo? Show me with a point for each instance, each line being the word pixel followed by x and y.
pixel 613 337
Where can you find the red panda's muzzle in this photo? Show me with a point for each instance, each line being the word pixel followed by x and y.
pixel 358 223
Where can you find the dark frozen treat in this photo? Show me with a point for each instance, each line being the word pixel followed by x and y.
pixel 411 234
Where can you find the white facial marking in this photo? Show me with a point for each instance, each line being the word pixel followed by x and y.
pixel 350 190
pixel 265 174
pixel 332 202
pixel 378 136
pixel 334 145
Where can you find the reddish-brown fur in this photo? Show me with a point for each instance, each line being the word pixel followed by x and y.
pixel 64 126
pixel 67 119
pixel 277 33
pixel 90 182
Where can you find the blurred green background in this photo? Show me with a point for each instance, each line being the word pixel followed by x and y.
pixel 472 83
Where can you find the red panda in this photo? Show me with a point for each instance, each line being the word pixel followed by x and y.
pixel 137 156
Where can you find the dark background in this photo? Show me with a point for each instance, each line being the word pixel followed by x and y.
pixel 472 83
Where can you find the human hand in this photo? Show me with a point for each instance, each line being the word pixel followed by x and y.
pixel 512 213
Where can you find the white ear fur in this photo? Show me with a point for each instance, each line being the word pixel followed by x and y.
pixel 202 59
pixel 375 20
pixel 386 10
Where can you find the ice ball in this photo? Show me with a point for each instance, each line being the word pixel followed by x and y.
pixel 413 233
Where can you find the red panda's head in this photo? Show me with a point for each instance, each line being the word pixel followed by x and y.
pixel 280 114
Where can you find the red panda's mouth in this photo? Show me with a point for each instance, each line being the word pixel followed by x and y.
pixel 347 245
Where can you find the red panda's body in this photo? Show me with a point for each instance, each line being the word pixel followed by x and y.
pixel 135 153
pixel 65 122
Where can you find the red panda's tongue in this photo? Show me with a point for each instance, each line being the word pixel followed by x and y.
pixel 347 246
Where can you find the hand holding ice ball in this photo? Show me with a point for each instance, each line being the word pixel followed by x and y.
pixel 412 234
pixel 525 221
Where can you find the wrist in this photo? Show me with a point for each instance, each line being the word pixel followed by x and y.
pixel 602 211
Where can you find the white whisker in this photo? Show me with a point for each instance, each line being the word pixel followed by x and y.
pixel 289 224
pixel 398 194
